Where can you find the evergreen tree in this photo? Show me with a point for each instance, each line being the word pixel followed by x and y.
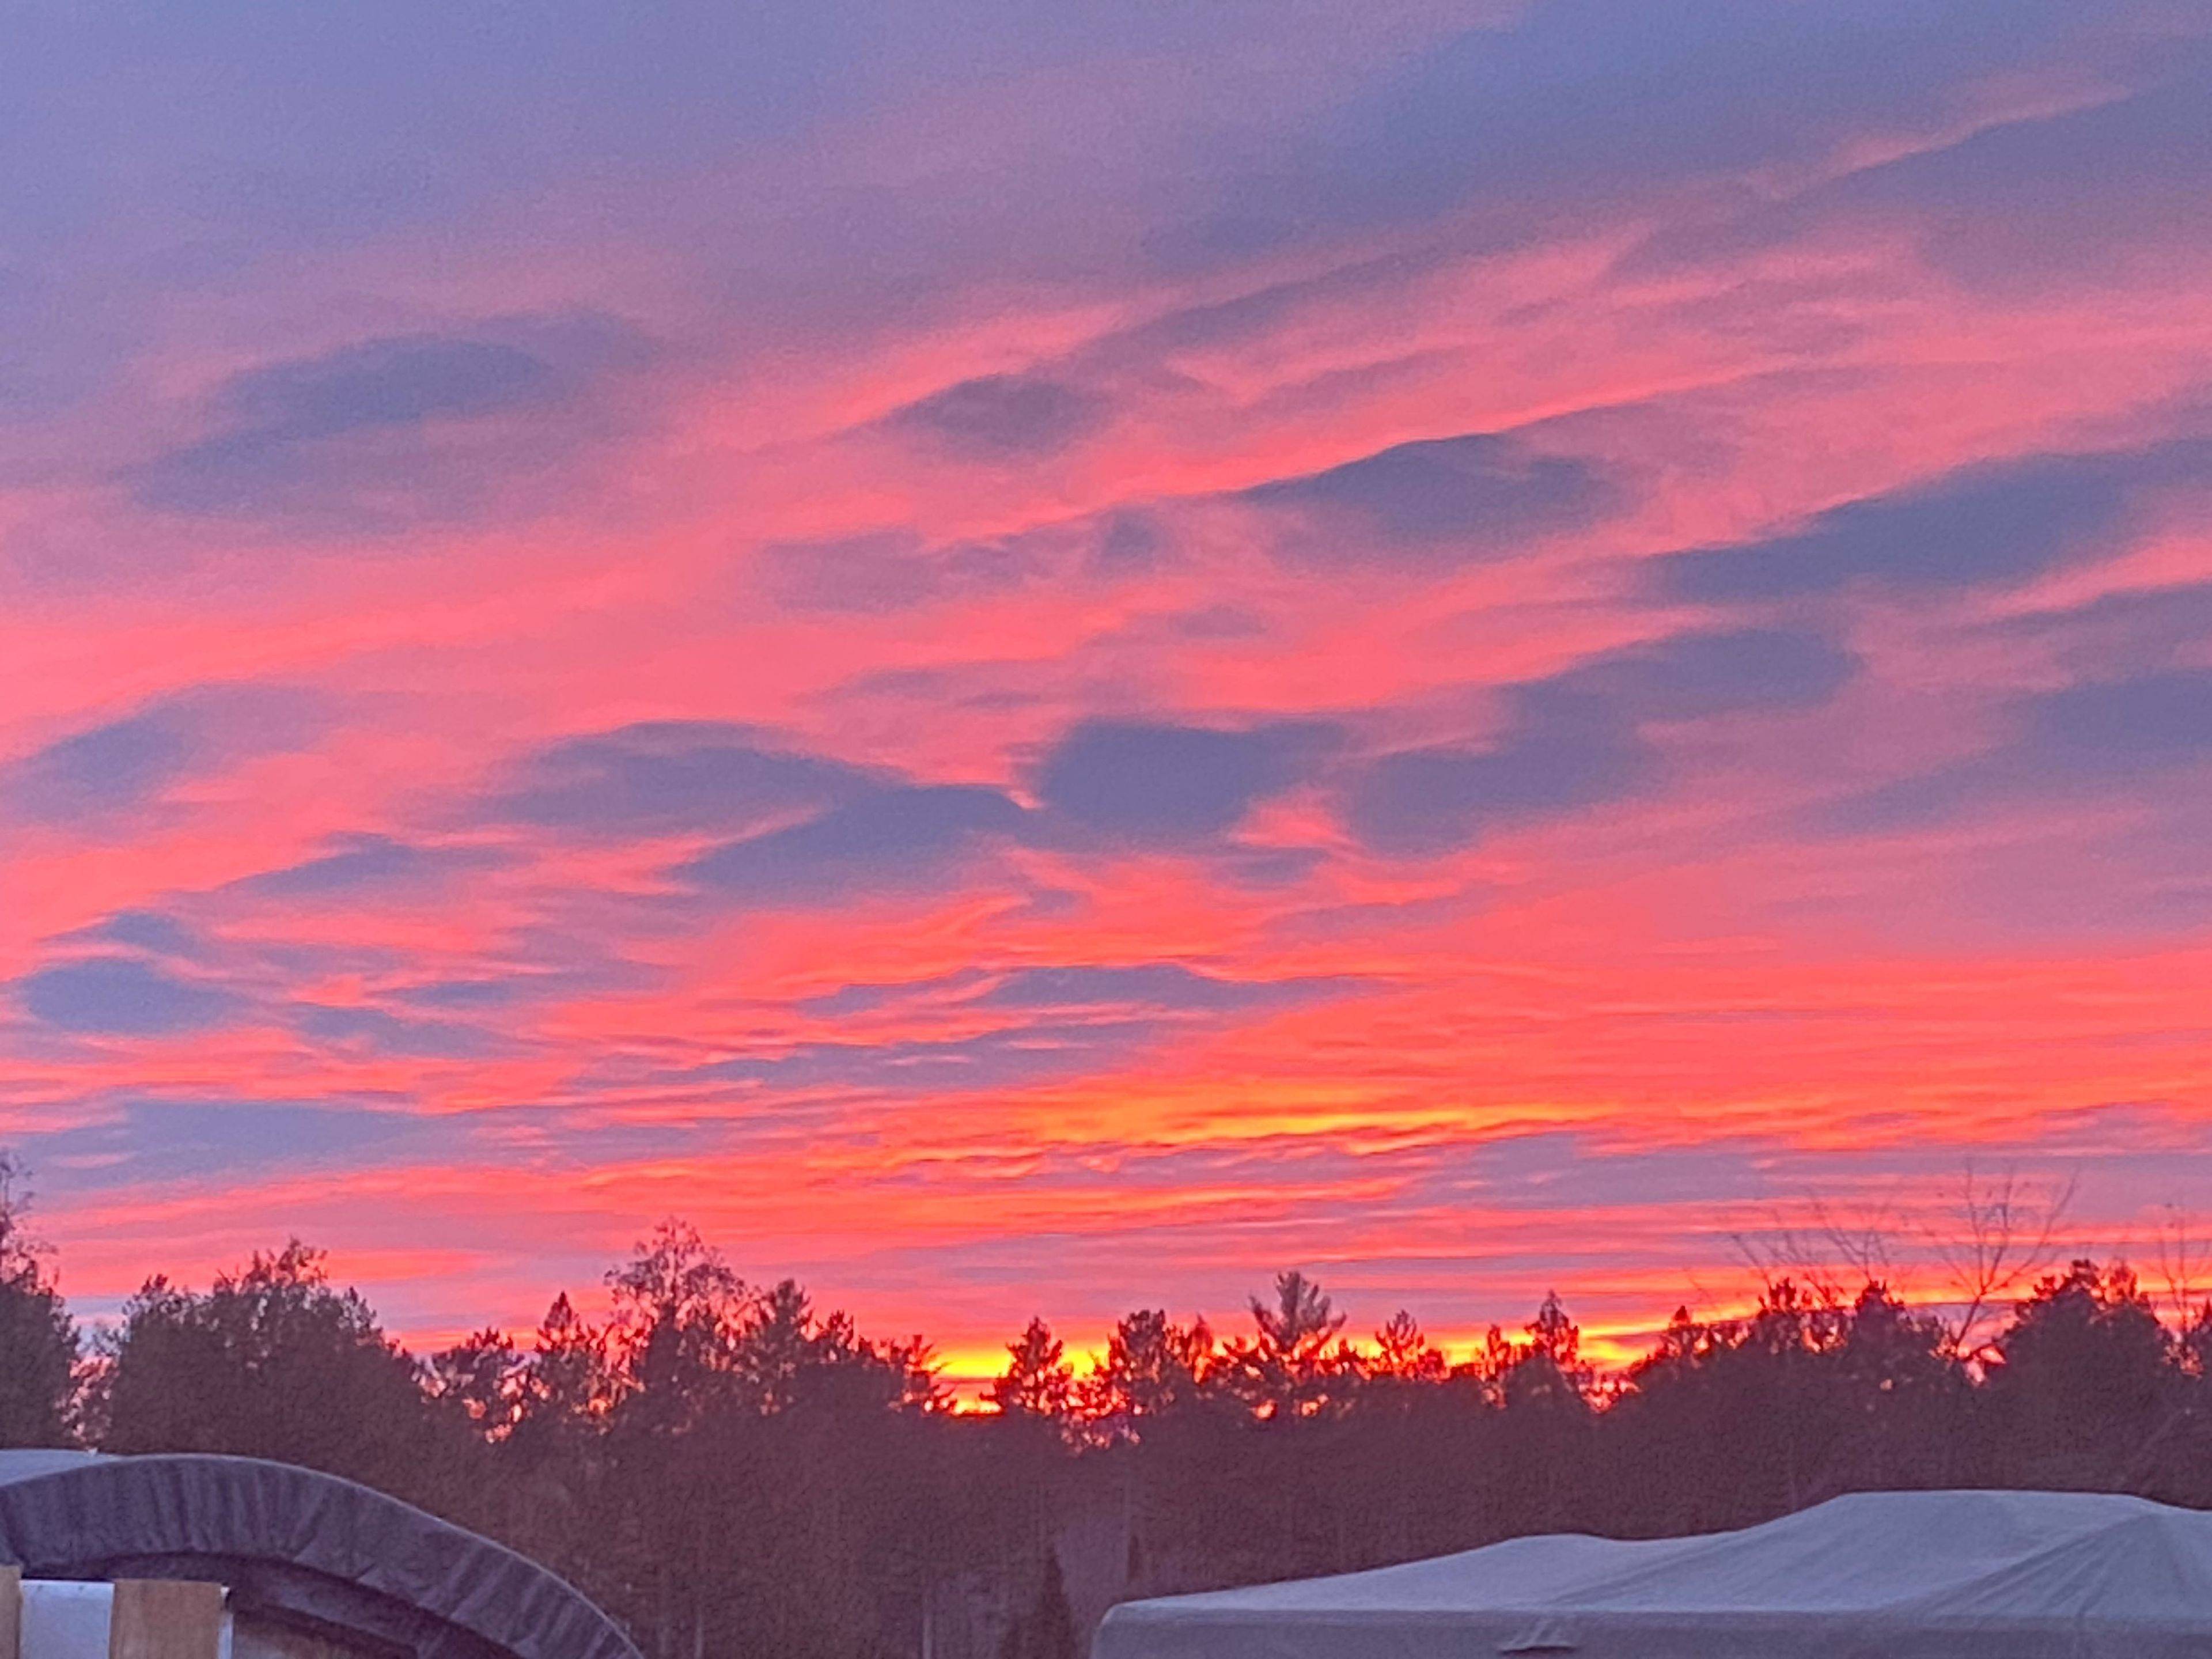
pixel 1045 1629
pixel 1295 1364
pixel 39 1341
pixel 478 1383
pixel 1152 1367
pixel 564 1388
pixel 1403 1354
pixel 736 1474
pixel 1038 1382
pixel 269 1361
pixel 2082 1378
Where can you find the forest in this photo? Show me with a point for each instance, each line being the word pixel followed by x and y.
pixel 735 1472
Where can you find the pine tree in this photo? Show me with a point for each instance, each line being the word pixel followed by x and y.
pixel 1046 1628
pixel 1038 1382
pixel 39 1340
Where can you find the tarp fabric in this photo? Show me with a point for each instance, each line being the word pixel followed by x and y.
pixel 1933 1575
pixel 295 1544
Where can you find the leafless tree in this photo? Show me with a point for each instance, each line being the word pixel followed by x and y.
pixel 2184 1262
pixel 1993 1239
pixel 1833 1253
pixel 1985 1241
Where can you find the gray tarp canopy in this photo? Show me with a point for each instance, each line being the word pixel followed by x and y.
pixel 304 1547
pixel 1931 1575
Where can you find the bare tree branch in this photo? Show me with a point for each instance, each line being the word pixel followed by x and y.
pixel 2185 1257
pixel 1999 1235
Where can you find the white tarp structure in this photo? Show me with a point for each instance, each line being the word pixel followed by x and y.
pixel 1932 1575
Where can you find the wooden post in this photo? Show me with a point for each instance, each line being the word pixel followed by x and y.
pixel 165 1619
pixel 11 1613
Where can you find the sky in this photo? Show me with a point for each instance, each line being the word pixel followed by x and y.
pixel 1042 659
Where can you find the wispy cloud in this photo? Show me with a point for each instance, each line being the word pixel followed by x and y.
pixel 1031 657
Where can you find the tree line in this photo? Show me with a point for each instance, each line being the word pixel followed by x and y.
pixel 734 1471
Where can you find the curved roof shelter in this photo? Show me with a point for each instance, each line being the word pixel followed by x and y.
pixel 351 1567
pixel 1906 1575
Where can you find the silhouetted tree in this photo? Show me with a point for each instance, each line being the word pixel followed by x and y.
pixel 39 1340
pixel 546 1487
pixel 678 1310
pixel 1151 1368
pixel 479 1381
pixel 1403 1355
pixel 270 1362
pixel 1045 1628
pixel 1295 1364
pixel 1038 1382
pixel 1905 1397
pixel 565 1387
pixel 1547 1369
pixel 2081 1381
pixel 735 1472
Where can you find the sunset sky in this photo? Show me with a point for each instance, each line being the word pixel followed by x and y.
pixel 1040 658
